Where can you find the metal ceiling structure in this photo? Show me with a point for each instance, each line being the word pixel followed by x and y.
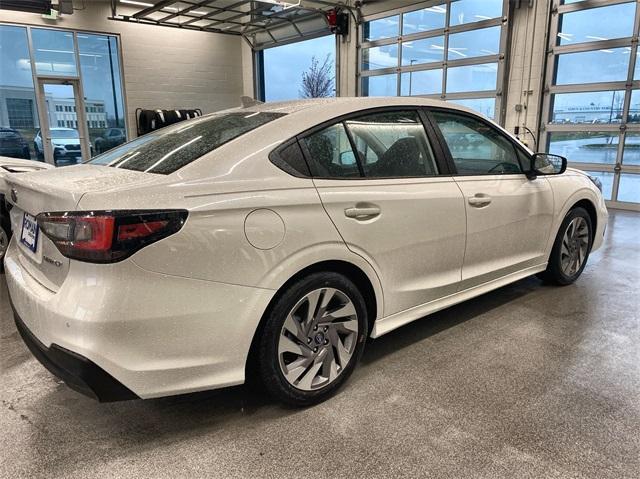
pixel 261 23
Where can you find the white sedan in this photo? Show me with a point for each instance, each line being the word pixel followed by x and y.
pixel 9 166
pixel 275 239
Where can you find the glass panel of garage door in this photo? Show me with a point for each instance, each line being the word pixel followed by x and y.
pixel 486 106
pixel 102 86
pixel 18 112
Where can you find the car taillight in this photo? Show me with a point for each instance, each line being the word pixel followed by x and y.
pixel 108 236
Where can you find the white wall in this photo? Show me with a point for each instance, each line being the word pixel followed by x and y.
pixel 163 67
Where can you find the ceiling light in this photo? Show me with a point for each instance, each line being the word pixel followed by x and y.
pixel 135 2
pixel 282 4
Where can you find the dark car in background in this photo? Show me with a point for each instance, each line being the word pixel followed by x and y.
pixel 112 137
pixel 13 145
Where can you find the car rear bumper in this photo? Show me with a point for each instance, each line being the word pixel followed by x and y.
pixel 76 371
pixel 154 334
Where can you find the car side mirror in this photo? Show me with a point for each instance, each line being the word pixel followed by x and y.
pixel 547 164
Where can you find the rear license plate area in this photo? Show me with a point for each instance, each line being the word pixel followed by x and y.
pixel 30 232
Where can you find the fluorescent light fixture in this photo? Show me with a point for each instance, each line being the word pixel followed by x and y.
pixel 457 51
pixel 136 2
pixel 282 4
pixel 437 9
pixel 592 37
pixel 54 51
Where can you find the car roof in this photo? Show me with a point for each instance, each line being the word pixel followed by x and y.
pixel 357 103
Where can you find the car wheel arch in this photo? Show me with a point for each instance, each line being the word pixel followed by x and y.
pixel 591 209
pixel 346 268
pixel 582 197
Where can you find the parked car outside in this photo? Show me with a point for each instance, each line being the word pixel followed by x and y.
pixel 273 240
pixel 111 138
pixel 65 143
pixel 12 144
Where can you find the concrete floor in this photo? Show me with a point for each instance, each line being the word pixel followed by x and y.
pixel 528 381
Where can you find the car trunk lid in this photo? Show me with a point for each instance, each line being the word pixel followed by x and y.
pixel 59 190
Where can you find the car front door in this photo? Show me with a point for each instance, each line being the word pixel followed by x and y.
pixel 378 177
pixel 508 215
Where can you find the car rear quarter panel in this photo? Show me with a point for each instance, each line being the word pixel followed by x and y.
pixel 214 245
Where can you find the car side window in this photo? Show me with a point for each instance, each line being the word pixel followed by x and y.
pixel 331 155
pixel 476 147
pixel 290 158
pixel 392 144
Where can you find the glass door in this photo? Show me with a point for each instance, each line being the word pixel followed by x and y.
pixel 62 139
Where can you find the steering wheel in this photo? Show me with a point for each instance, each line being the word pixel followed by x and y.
pixel 506 167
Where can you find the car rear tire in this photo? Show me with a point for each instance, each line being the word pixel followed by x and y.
pixel 571 249
pixel 4 244
pixel 313 338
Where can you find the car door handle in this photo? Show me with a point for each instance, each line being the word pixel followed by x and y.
pixel 479 200
pixel 362 212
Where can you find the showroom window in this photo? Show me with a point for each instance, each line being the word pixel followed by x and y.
pixel 281 70
pixel 453 50
pixel 56 79
pixel 591 109
pixel 17 93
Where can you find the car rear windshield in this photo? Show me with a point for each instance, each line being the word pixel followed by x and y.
pixel 169 149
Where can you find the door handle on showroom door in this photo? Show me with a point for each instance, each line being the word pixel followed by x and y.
pixel 362 212
pixel 480 200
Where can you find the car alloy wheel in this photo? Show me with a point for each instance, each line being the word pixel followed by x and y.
pixel 575 245
pixel 318 339
pixel 4 242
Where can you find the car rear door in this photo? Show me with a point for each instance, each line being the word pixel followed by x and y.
pixel 508 215
pixel 388 192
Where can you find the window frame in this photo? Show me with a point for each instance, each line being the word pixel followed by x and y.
pixel 546 128
pixel 500 58
pixel 447 152
pixel 442 165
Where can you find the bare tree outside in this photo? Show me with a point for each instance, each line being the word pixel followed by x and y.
pixel 317 81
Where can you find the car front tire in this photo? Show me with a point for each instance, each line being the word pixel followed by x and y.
pixel 571 249
pixel 313 338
